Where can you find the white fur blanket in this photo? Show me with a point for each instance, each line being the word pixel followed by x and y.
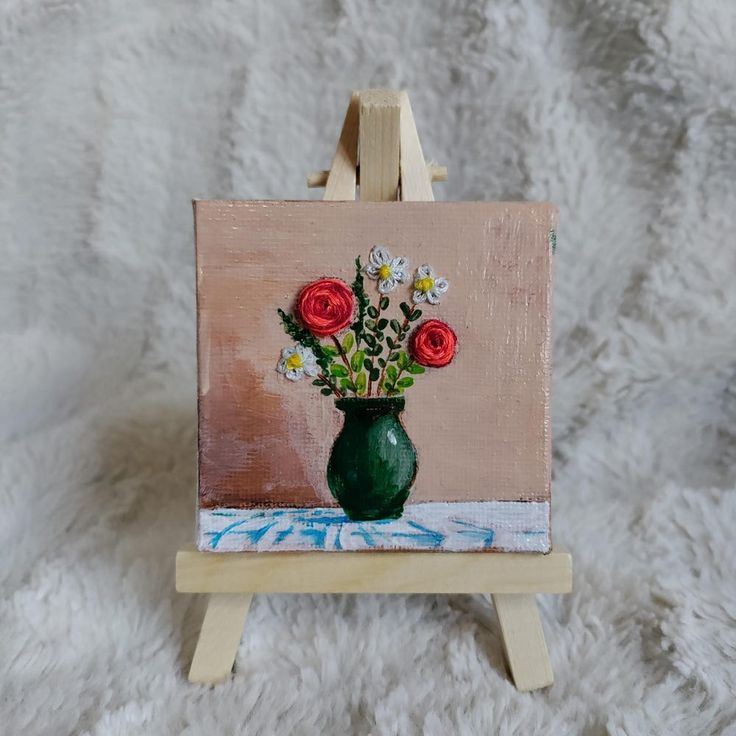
pixel 114 115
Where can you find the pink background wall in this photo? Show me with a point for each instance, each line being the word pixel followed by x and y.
pixel 481 425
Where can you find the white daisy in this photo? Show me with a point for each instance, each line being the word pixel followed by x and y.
pixel 428 287
pixel 297 361
pixel 389 272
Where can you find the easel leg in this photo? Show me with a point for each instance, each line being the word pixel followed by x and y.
pixel 219 637
pixel 523 638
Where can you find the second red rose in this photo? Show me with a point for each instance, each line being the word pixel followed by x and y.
pixel 433 344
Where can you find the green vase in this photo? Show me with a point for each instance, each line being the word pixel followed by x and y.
pixel 373 462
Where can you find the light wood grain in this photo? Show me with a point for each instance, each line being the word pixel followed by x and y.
pixel 219 638
pixel 416 185
pixel 318 179
pixel 378 145
pixel 372 572
pixel 341 178
pixel 523 638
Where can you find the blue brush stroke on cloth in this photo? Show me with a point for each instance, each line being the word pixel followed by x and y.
pixel 483 533
pixel 330 529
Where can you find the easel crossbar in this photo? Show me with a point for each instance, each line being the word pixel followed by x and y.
pixel 372 572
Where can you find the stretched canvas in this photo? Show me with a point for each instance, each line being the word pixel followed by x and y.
pixel 374 375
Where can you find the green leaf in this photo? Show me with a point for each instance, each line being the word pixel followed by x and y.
pixel 372 311
pixel 333 352
pixel 369 339
pixel 395 326
pixel 347 342
pixel 384 302
pixel 318 382
pixel 415 315
pixel 375 374
pixel 361 299
pixel 393 357
pixel 391 373
pixel 404 360
pixel 368 365
pixel 405 309
pixel 297 333
pixel 390 342
pixel 356 360
pixel 361 381
pixel 347 384
pixel 382 323
pixel 388 387
pixel 376 350
pixel 340 371
pixel 382 362
pixel 370 324
pixel 415 368
pixel 326 391
pixel 405 382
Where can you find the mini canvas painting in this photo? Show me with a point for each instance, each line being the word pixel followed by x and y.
pixel 374 375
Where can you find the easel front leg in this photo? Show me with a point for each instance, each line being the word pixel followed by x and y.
pixel 523 638
pixel 219 637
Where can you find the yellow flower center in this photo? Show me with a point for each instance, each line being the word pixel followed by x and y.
pixel 384 272
pixel 294 361
pixel 424 284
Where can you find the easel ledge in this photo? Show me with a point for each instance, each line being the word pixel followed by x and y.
pixel 372 572
pixel 379 148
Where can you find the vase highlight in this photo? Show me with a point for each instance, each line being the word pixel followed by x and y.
pixel 373 462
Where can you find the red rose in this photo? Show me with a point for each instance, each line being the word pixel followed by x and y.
pixel 326 306
pixel 433 344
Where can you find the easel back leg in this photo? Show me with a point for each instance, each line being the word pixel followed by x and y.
pixel 220 636
pixel 523 638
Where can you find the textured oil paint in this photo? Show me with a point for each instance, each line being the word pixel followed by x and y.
pixel 373 375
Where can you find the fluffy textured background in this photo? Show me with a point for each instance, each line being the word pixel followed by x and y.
pixel 115 115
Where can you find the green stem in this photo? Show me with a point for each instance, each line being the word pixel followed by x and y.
pixel 378 316
pixel 382 377
pixel 398 375
pixel 362 299
pixel 344 358
pixel 334 388
pixel 407 319
pixel 401 332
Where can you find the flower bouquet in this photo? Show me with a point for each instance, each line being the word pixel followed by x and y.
pixel 356 351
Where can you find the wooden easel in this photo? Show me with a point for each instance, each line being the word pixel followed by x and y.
pixel 379 149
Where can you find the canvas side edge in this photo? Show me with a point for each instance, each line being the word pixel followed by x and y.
pixel 196 207
pixel 553 214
